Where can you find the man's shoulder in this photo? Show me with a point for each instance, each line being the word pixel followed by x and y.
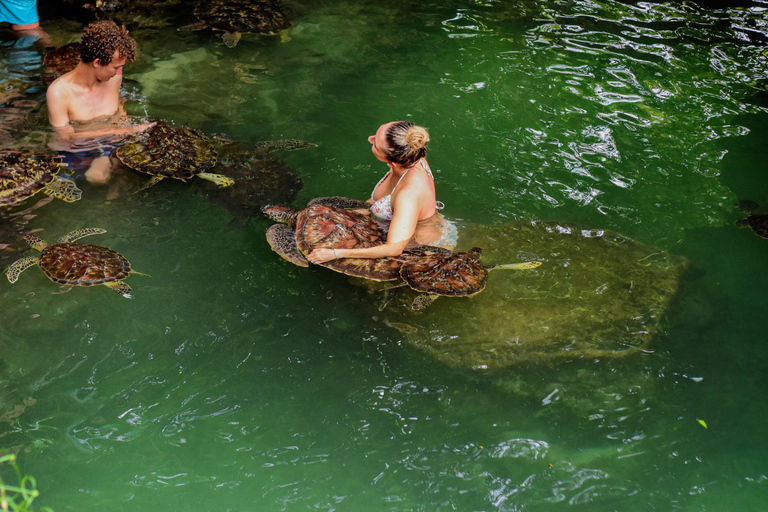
pixel 64 82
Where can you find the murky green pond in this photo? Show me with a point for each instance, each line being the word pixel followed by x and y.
pixel 236 381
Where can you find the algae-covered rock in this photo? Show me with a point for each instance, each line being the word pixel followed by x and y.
pixel 597 294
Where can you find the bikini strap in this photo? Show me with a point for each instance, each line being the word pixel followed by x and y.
pixel 401 179
pixel 379 183
pixel 425 165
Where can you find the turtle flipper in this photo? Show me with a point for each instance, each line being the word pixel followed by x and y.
pixel 193 26
pixel 121 288
pixel 20 266
pixel 269 146
pixel 389 294
pixel 517 266
pixel 231 38
pixel 148 184
pixel 282 239
pixel 78 234
pixel 62 188
pixel 284 35
pixel 218 179
pixel 423 301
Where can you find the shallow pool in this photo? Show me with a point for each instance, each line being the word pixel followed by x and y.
pixel 236 381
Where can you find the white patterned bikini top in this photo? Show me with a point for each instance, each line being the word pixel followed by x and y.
pixel 382 209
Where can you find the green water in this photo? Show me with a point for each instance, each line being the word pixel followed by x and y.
pixel 236 381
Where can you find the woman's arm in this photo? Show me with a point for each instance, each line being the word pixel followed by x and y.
pixel 401 231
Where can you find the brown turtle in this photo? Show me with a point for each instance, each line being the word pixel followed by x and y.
pixel 267 17
pixel 66 262
pixel 25 173
pixel 757 220
pixel 330 222
pixel 166 151
pixel 62 59
pixel 439 272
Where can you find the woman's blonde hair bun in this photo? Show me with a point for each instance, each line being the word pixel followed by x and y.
pixel 417 137
pixel 406 142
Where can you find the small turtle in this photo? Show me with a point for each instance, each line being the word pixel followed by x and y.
pixel 168 152
pixel 757 220
pixel 62 59
pixel 321 224
pixel 440 272
pixel 267 17
pixel 24 174
pixel 71 263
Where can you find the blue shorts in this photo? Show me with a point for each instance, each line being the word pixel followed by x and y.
pixel 19 12
pixel 79 162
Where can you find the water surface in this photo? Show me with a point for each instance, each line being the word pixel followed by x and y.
pixel 236 381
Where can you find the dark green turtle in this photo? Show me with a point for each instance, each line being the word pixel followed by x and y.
pixel 69 263
pixel 261 178
pixel 268 17
pixel 165 151
pixel 25 173
pixel 757 220
pixel 330 222
pixel 598 295
pixel 440 272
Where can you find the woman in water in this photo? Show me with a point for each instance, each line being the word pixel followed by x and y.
pixel 404 197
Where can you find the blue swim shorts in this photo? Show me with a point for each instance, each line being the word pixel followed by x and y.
pixel 79 162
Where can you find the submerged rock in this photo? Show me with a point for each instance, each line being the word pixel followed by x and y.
pixel 597 294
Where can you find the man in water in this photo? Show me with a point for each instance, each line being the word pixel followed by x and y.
pixel 84 105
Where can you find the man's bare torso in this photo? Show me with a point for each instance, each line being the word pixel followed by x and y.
pixel 83 103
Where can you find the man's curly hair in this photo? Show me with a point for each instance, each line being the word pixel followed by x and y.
pixel 102 38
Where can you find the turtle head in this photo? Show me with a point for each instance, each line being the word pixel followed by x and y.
pixel 36 242
pixel 283 214
pixel 476 252
pixel 222 138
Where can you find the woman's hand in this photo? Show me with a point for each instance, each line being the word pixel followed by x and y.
pixel 322 255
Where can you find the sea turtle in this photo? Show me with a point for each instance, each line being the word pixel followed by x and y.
pixel 598 296
pixel 25 173
pixel 66 262
pixel 757 219
pixel 330 222
pixel 267 17
pixel 62 59
pixel 441 272
pixel 165 151
pixel 261 178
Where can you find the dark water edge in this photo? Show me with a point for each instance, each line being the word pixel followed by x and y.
pixel 238 382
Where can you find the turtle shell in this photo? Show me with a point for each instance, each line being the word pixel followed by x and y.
pixel 83 264
pixel 323 226
pixel 445 273
pixel 23 174
pixel 260 16
pixel 757 223
pixel 63 59
pixel 170 152
pixel 259 181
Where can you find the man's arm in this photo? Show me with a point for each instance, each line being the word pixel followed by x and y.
pixel 58 111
